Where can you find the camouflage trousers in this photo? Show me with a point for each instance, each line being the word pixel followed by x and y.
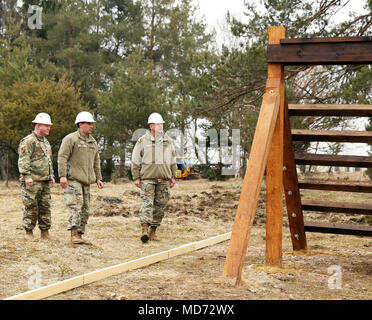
pixel 155 196
pixel 77 197
pixel 36 201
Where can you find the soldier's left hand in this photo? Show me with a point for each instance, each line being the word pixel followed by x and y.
pixel 100 184
pixel 172 182
pixel 52 182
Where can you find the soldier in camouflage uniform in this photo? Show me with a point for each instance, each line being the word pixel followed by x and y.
pixel 154 170
pixel 78 168
pixel 36 175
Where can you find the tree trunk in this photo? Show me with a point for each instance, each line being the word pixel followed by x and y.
pixel 7 170
pixel 152 39
pixel 4 168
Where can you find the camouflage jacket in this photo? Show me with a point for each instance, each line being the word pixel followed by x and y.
pixel 35 158
pixel 154 158
pixel 78 158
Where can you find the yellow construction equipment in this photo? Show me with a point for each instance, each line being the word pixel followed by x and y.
pixel 185 170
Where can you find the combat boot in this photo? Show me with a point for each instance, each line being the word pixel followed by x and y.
pixel 44 234
pixel 29 234
pixel 83 240
pixel 145 236
pixel 75 239
pixel 152 235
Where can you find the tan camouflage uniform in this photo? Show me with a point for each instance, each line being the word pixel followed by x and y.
pixel 35 161
pixel 79 161
pixel 154 163
pixel 155 196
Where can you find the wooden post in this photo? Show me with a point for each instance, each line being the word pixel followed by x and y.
pixel 291 188
pixel 251 187
pixel 274 169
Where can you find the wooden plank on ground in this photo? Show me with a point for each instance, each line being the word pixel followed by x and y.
pixel 338 228
pixel 251 186
pixel 337 110
pixel 332 136
pixel 333 160
pixel 90 277
pixel 336 185
pixel 337 207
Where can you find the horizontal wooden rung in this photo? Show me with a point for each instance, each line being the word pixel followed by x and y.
pixel 333 160
pixel 324 39
pixel 321 53
pixel 338 228
pixel 346 110
pixel 336 185
pixel 337 207
pixel 332 136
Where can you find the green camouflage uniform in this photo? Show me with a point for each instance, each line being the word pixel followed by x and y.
pixel 79 161
pixel 155 196
pixel 35 161
pixel 77 196
pixel 154 163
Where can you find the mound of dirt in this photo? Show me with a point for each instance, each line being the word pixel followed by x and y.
pixel 108 207
pixel 204 205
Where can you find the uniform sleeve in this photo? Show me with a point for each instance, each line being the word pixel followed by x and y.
pixel 24 159
pixel 136 160
pixel 51 161
pixel 97 166
pixel 64 154
pixel 173 161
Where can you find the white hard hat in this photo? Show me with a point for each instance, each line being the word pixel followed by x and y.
pixel 42 118
pixel 155 118
pixel 84 116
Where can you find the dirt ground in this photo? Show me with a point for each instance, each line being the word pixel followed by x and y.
pixel 334 267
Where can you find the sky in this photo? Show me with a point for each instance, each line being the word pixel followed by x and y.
pixel 215 11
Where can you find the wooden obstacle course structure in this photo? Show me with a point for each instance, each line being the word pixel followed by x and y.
pixel 272 148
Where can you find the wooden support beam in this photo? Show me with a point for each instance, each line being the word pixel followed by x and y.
pixel 337 207
pixel 291 190
pixel 336 185
pixel 337 110
pixel 251 187
pixel 338 228
pixel 90 277
pixel 274 167
pixel 333 160
pixel 321 52
pixel 332 136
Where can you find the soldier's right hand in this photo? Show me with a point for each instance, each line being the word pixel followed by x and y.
pixel 138 183
pixel 63 182
pixel 29 182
